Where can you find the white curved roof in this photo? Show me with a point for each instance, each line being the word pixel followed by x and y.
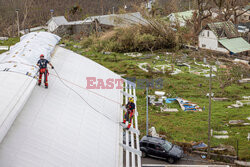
pixel 57 128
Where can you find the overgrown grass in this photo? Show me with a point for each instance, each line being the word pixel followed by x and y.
pixel 183 126
pixel 9 42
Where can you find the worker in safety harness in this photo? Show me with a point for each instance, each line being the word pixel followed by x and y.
pixel 130 112
pixel 42 63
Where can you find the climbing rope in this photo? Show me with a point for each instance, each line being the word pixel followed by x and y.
pixel 83 98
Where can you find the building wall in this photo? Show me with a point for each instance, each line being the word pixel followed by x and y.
pixel 52 26
pixel 83 29
pixel 208 40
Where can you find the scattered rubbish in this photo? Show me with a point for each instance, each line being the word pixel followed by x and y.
pixel 212 95
pixel 203 72
pixel 246 97
pixel 221 136
pixel 204 60
pixel 245 80
pixel 169 67
pixel 223 66
pixel 4 48
pixel 159 93
pixel 153 133
pixel 240 103
pixel 165 109
pixel 224 149
pixel 214 68
pixel 153 100
pixel 187 105
pixel 3 38
pixel 248 137
pixel 168 53
pixel 76 46
pixel 218 63
pixel 144 66
pixel 62 45
pixel 203 156
pixel 170 100
pixel 208 75
pixel 199 145
pixel 224 132
pixel 241 61
pixel 159 68
pixel 235 122
pixel 106 53
pixel 133 54
pixel 148 55
pixel 157 57
pixel 220 99
pixel 248 118
pixel 122 75
pixel 242 163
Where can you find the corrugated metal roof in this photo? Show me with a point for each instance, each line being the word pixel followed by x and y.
pixel 118 19
pixel 187 15
pixel 235 45
pixel 224 29
pixel 59 20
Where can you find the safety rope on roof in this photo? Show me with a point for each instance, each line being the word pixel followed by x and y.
pixel 85 100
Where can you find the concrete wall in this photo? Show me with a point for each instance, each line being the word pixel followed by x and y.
pixel 208 40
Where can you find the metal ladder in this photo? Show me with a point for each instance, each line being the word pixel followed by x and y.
pixel 132 156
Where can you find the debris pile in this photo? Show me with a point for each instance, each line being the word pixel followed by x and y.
pixel 240 103
pixel 166 109
pixel 219 134
pixel 187 105
pixel 133 54
pixel 238 122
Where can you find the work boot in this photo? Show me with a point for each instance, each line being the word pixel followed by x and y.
pixel 129 125
pixel 46 87
pixel 39 84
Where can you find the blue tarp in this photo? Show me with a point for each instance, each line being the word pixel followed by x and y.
pixel 170 100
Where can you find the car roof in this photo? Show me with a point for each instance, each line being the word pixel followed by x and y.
pixel 157 140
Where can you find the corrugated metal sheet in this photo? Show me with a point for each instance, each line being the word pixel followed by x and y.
pixel 119 19
pixel 59 20
pixel 224 29
pixel 235 45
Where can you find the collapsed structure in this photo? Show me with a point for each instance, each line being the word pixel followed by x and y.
pixel 58 126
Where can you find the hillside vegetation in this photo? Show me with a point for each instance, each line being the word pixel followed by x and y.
pixel 183 126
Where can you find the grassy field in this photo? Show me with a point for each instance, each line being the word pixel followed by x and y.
pixel 183 126
pixel 9 42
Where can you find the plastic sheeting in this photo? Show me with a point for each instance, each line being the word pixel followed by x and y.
pixel 17 71
pixel 23 56
pixel 57 128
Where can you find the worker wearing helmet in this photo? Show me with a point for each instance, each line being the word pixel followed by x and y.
pixel 130 112
pixel 42 63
